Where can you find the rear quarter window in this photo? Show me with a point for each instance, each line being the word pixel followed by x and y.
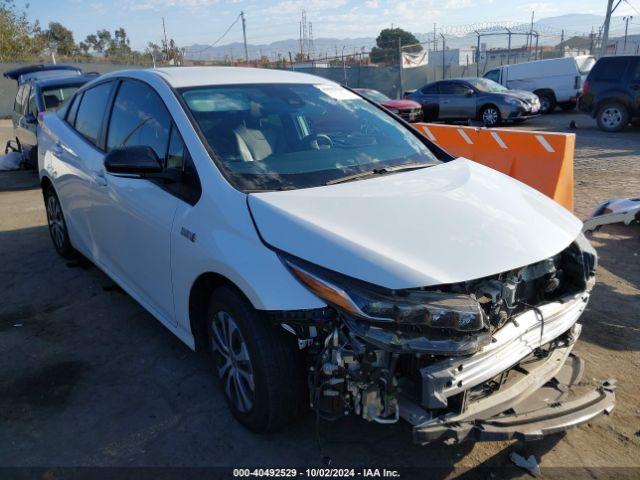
pixel 610 69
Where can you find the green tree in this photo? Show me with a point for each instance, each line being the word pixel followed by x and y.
pixel 59 39
pixel 386 49
pixel 17 40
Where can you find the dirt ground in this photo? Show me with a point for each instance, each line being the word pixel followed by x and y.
pixel 89 378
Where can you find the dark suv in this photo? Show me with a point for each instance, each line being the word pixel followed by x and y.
pixel 611 93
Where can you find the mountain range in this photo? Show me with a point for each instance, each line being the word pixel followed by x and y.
pixel 550 29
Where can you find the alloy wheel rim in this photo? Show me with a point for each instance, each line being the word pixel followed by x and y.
pixel 56 221
pixel 612 117
pixel 544 104
pixel 233 362
pixel 490 117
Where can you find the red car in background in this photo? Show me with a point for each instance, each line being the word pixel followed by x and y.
pixel 407 109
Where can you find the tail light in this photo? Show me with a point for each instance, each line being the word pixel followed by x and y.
pixel 585 87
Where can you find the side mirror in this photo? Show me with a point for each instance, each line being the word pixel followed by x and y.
pixel 30 118
pixel 138 160
pixel 470 93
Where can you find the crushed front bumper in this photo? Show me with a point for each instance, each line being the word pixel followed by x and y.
pixel 532 378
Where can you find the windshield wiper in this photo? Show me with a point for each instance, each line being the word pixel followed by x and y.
pixel 378 171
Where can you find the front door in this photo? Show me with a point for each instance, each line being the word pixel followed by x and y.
pixel 133 227
pixel 457 101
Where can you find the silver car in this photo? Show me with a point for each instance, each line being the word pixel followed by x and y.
pixel 478 99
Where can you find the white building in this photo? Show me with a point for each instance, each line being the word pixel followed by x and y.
pixel 452 57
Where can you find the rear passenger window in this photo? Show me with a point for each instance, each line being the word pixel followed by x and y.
pixel 430 89
pixel 33 108
pixel 91 111
pixel 611 69
pixel 18 103
pixel 493 75
pixel 139 118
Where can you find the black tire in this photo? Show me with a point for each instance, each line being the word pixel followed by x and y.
pixel 57 225
pixel 547 102
pixel 276 365
pixel 32 158
pixel 490 116
pixel 612 117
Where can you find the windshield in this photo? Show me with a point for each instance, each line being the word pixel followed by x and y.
pixel 53 98
pixel 374 95
pixel 488 86
pixel 585 64
pixel 285 136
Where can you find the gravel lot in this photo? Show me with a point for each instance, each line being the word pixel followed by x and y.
pixel 89 378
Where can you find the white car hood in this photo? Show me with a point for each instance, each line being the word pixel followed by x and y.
pixel 444 224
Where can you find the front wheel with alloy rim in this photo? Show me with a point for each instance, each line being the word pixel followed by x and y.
pixel 490 116
pixel 260 368
pixel 57 224
pixel 612 117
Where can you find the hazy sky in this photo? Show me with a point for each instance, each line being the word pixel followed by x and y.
pixel 202 21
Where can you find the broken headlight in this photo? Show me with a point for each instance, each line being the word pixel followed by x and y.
pixel 447 311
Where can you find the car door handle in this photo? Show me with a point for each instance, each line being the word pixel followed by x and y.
pixel 99 178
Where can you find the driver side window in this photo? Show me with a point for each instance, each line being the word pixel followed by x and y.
pixel 493 75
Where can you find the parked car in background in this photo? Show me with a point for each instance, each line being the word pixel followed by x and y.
pixel 407 109
pixel 556 81
pixel 474 99
pixel 611 92
pixel 40 88
pixel 325 254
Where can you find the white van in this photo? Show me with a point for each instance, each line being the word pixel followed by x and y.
pixel 556 81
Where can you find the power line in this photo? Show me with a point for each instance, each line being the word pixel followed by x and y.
pixel 634 8
pixel 191 52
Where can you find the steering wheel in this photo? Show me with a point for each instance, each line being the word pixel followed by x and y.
pixel 320 141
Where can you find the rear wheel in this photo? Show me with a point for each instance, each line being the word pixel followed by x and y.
pixel 57 224
pixel 260 368
pixel 612 117
pixel 490 116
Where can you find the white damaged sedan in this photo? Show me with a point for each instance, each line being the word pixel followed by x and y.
pixel 325 253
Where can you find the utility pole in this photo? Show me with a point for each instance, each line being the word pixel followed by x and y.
pixel 562 43
pixel 607 21
pixel 533 14
pixel 244 36
pixel 626 29
pixel 166 45
pixel 400 73
pixel 443 53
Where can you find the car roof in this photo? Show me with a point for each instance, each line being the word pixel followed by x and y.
pixel 181 77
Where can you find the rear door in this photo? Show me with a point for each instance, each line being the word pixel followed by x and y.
pixel 133 224
pixel 457 101
pixel 24 136
pixel 79 153
pixel 634 87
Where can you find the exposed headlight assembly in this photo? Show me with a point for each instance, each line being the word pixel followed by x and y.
pixel 446 311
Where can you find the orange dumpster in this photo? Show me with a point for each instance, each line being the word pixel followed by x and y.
pixel 542 160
